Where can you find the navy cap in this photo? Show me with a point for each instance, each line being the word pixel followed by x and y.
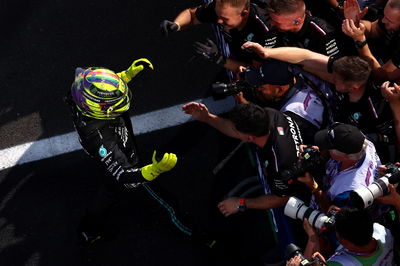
pixel 271 72
pixel 342 137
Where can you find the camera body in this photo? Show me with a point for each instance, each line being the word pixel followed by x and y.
pixel 296 209
pixel 292 250
pixel 222 90
pixel 311 159
pixel 364 197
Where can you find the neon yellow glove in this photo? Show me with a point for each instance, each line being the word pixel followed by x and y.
pixel 136 67
pixel 151 171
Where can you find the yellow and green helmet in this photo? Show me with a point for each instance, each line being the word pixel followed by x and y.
pixel 100 93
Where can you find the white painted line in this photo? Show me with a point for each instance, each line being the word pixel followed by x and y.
pixel 144 123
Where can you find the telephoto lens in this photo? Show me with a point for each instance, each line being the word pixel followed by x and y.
pixel 364 197
pixel 297 209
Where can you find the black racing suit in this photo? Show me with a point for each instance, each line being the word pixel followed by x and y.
pixel 255 30
pixel 112 144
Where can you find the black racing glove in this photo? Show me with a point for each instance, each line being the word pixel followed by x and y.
pixel 210 51
pixel 167 27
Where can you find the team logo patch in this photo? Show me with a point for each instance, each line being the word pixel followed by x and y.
pixel 280 131
pixel 250 37
pixel 306 42
pixel 102 151
pixel 356 116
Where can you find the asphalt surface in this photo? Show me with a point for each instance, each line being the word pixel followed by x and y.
pixel 42 202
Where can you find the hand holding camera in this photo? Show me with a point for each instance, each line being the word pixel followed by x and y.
pixel 311 158
pixel 294 256
pixel 364 196
pixel 297 209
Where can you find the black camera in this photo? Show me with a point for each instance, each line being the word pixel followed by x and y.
pixel 222 90
pixel 297 209
pixel 364 196
pixel 311 160
pixel 292 250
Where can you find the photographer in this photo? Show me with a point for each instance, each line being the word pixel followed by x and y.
pixel 362 241
pixel 352 164
pixel 291 90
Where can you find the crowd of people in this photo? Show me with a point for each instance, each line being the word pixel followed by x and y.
pixel 326 82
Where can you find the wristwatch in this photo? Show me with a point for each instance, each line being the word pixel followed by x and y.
pixel 242 206
pixel 359 44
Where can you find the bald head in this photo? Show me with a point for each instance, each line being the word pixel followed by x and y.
pixel 284 7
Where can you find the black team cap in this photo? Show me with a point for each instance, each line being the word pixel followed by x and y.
pixel 342 137
pixel 271 72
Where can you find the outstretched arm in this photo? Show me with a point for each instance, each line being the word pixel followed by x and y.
pixel 389 71
pixel 200 112
pixel 310 60
pixel 184 19
pixel 187 18
pixel 231 205
pixel 313 240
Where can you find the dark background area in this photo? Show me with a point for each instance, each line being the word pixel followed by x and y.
pixel 42 202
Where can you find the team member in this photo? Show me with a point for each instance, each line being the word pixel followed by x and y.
pixel 239 19
pixel 301 29
pixel 99 101
pixel 277 138
pixel 362 104
pixel 293 91
pixel 385 31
